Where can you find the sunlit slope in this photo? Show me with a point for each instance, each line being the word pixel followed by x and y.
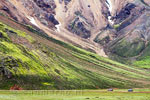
pixel 37 61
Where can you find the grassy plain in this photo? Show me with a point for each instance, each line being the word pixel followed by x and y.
pixel 120 94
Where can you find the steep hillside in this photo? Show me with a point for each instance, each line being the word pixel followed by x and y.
pixel 127 40
pixel 32 60
pixel 133 42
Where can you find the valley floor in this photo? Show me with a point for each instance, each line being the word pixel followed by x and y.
pixel 119 94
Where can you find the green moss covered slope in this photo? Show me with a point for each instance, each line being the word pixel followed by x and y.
pixel 33 60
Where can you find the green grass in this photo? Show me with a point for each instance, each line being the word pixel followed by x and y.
pixel 73 95
pixel 127 49
pixel 116 26
pixel 140 54
pixel 46 63
pixel 134 54
pixel 143 61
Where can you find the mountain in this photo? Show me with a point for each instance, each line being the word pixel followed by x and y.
pixel 74 44
pixel 132 36
pixel 71 21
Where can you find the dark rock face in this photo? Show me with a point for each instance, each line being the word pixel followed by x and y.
pixel 46 5
pixel 105 12
pixel 5 9
pixel 67 1
pixel 125 12
pixel 79 28
pixel 128 15
pixel 52 19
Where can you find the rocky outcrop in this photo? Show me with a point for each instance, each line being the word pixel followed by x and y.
pixel 80 26
pixel 43 10
pixel 9 10
pixel 124 13
pixel 46 5
pixel 82 17
pixel 4 8
pixel 105 36
pixel 7 65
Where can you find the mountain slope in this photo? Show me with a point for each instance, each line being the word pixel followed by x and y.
pixel 110 28
pixel 75 21
pixel 34 61
pixel 133 42
pixel 127 40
